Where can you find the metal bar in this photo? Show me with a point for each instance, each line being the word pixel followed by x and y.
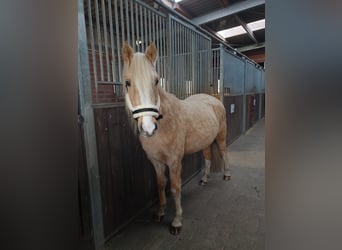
pixel 221 73
pixel 166 54
pixel 178 60
pixel 110 83
pixel 89 134
pixel 153 28
pixel 111 31
pixel 227 11
pixel 137 26
pixel 141 28
pixel 117 39
pixel 92 42
pixel 104 22
pixel 122 23
pixel 131 10
pixel 127 23
pixel 170 52
pixel 158 43
pixel 182 82
pixel 145 29
pixel 99 40
pixel 151 8
pixel 244 99
pixel 149 28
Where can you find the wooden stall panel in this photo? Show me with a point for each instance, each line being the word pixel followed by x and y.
pixel 128 182
pixel 252 112
pixel 126 176
pixel 262 105
pixel 233 105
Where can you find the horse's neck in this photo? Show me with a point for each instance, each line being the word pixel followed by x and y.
pixel 169 103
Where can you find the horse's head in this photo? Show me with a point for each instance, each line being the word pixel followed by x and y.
pixel 141 85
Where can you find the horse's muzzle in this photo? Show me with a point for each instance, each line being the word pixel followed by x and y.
pixel 147 127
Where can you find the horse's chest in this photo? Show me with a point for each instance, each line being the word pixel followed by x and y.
pixel 163 147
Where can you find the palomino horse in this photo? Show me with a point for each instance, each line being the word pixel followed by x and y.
pixel 169 127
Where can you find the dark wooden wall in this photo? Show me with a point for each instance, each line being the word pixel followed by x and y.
pixel 262 105
pixel 252 112
pixel 127 178
pixel 234 120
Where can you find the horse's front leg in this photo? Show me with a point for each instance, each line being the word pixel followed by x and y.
pixel 175 177
pixel 161 183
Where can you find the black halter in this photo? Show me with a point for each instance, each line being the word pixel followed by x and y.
pixel 142 110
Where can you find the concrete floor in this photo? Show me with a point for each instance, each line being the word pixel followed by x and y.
pixel 220 215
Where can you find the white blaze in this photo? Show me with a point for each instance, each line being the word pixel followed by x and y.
pixel 147 124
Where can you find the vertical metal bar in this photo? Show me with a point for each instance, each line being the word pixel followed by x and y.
pixel 166 53
pixel 141 28
pixel 187 78
pixel 111 31
pixel 137 26
pixel 260 94
pixel 158 42
pixel 122 22
pixel 182 82
pixel 170 51
pixel 176 59
pixel 99 40
pixel 104 22
pixel 92 42
pixel 153 28
pixel 89 134
pixel 118 47
pixel 145 29
pixel 221 73
pixel 131 10
pixel 149 28
pixel 244 98
pixel 127 23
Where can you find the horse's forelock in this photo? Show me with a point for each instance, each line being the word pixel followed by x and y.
pixel 142 74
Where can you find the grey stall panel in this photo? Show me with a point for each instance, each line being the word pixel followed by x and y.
pixel 251 85
pixel 257 79
pixel 234 74
pixel 262 82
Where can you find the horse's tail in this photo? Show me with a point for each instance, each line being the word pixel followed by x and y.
pixel 217 162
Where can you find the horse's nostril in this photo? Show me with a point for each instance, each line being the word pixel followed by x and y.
pixel 156 127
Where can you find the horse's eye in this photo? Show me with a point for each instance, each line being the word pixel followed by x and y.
pixel 128 83
pixel 157 81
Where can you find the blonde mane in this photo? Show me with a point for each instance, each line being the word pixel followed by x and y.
pixel 144 75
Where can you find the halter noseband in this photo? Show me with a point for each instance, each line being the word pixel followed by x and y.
pixel 143 110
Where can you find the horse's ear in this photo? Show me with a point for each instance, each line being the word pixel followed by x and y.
pixel 127 53
pixel 151 53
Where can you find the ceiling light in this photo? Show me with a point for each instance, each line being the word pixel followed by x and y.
pixel 235 31
pixel 178 1
pixel 257 25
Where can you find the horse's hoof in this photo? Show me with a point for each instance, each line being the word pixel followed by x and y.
pixel 226 178
pixel 175 230
pixel 203 183
pixel 158 218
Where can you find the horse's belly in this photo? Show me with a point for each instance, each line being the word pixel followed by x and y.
pixel 199 139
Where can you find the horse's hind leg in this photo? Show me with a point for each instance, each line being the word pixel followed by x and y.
pixel 161 183
pixel 221 142
pixel 207 157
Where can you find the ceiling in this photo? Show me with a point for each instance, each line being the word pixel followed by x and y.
pixel 217 15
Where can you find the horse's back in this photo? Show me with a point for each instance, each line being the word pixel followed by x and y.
pixel 206 101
